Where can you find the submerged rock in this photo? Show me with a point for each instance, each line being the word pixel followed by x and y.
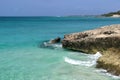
pixel 103 39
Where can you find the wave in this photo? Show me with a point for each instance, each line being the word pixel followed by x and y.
pixel 76 62
pixel 108 74
pixel 95 56
pixel 47 44
pixel 84 63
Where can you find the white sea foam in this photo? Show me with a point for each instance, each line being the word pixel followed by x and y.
pixel 113 76
pixel 47 44
pixel 108 74
pixel 91 62
pixel 57 45
pixel 76 62
pixel 96 56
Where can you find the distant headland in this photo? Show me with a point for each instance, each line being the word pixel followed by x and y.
pixel 112 14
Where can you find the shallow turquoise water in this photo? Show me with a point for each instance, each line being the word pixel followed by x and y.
pixel 22 58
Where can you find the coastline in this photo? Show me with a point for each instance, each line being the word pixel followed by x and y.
pixel 22 55
pixel 106 40
pixel 115 16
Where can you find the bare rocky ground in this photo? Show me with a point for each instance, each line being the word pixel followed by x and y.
pixel 105 40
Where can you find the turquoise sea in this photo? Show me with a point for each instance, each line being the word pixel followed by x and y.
pixel 24 56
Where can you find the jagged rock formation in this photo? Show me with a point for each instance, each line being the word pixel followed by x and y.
pixel 105 40
pixel 56 40
pixel 110 61
pixel 93 40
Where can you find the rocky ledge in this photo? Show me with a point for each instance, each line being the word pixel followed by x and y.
pixel 105 40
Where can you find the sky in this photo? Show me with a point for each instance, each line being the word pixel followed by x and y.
pixel 57 7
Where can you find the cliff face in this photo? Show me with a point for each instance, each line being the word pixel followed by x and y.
pixel 94 40
pixel 110 61
pixel 105 39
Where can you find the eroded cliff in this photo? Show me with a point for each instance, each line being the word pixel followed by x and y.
pixel 105 40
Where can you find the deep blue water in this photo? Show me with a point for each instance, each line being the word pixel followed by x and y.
pixel 22 58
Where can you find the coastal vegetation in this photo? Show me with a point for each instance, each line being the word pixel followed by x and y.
pixel 112 14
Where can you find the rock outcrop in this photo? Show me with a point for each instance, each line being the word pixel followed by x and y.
pixel 56 40
pixel 110 61
pixel 105 40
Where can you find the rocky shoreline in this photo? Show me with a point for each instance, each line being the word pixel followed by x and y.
pixel 106 40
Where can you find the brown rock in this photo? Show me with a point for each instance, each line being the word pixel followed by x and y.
pixel 105 40
pixel 56 40
pixel 93 40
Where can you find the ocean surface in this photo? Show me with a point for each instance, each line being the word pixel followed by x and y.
pixel 26 55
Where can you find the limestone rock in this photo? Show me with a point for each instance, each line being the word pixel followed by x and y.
pixel 93 40
pixel 106 40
